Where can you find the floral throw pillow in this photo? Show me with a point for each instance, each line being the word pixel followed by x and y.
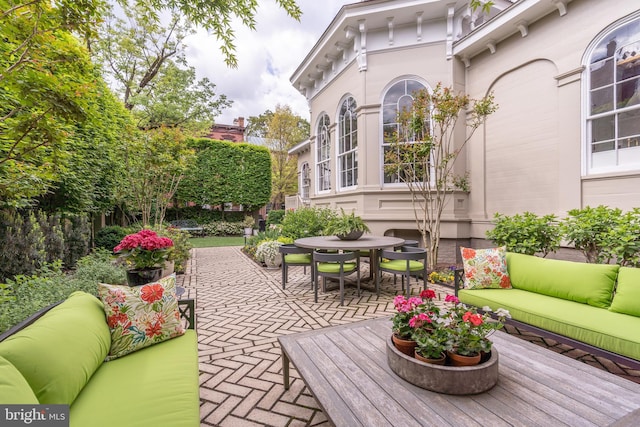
pixel 485 268
pixel 140 316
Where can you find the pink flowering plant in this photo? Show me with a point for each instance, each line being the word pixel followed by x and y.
pixel 452 326
pixel 144 249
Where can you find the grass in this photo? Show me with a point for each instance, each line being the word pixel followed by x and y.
pixel 216 241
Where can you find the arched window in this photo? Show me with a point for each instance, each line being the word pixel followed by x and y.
pixel 305 181
pixel 323 154
pixel 348 144
pixel 398 97
pixel 613 94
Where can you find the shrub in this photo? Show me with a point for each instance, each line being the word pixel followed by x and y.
pixel 588 230
pixel 526 233
pixel 275 217
pixel 180 252
pixel 223 228
pixel 50 284
pixel 22 251
pixel 622 242
pixel 306 222
pixel 109 237
pixel 77 236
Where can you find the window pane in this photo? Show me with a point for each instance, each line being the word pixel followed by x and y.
pixel 413 86
pixel 394 93
pixel 389 113
pixel 629 123
pixel 604 146
pixel 602 100
pixel 388 133
pixel 602 73
pixel 628 93
pixel 602 129
pixel 628 64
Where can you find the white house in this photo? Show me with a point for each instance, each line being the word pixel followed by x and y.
pixel 566 77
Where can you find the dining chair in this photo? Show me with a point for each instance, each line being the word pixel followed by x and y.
pixel 295 255
pixel 408 262
pixel 335 265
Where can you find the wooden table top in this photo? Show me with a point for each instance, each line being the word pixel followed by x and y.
pixel 346 369
pixel 367 241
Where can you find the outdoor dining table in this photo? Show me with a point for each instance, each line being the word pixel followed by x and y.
pixel 369 242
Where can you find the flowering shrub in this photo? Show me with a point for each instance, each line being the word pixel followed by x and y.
pixel 452 327
pixel 443 276
pixel 269 249
pixel 144 249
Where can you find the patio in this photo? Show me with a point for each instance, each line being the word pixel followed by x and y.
pixel 241 310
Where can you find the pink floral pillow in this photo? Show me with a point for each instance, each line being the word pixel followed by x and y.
pixel 140 316
pixel 485 268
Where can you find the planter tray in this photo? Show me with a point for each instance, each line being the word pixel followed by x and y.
pixel 444 379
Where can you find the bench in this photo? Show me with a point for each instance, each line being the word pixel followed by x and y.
pixel 188 225
pixel 57 356
pixel 591 307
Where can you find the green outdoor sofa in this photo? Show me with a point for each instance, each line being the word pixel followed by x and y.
pixel 57 357
pixel 593 307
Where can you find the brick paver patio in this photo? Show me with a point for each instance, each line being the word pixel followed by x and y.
pixel 241 309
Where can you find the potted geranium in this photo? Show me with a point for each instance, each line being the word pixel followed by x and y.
pixel 144 254
pixel 402 336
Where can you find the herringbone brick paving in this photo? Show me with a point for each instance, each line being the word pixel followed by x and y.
pixel 241 309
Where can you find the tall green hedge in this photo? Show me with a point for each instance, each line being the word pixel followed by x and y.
pixel 226 172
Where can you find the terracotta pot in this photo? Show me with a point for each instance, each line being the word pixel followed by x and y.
pixel 144 276
pixel 438 361
pixel 459 360
pixel 405 346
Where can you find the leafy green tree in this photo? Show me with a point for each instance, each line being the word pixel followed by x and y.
pixel 527 233
pixel 214 16
pixel 423 152
pixel 47 83
pixel 157 162
pixel 284 130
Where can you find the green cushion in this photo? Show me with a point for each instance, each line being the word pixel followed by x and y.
pixel 297 258
pixel 627 297
pixel 400 265
pixel 599 327
pixel 14 389
pixel 60 351
pixel 575 281
pixel 155 386
pixel 334 267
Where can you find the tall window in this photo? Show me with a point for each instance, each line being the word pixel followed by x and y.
pixel 323 154
pixel 348 144
pixel 398 98
pixel 613 116
pixel 305 181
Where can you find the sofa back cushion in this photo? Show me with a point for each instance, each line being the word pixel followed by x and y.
pixel 14 389
pixel 627 297
pixel 575 281
pixel 59 352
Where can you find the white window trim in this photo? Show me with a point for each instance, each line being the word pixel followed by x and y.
pixel 316 155
pixel 586 116
pixel 381 126
pixel 338 155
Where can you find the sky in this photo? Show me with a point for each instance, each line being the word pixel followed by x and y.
pixel 267 57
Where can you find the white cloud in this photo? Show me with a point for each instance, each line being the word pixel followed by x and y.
pixel 267 58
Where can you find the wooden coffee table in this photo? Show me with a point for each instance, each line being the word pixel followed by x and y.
pixel 345 367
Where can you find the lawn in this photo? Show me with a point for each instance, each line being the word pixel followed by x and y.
pixel 216 241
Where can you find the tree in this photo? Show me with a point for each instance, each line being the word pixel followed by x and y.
pixel 282 131
pixel 214 16
pixel 146 62
pixel 157 162
pixel 47 88
pixel 424 150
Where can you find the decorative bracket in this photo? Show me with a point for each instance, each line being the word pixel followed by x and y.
pixel 390 27
pixel 561 5
pixel 419 26
pixel 491 44
pixel 523 27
